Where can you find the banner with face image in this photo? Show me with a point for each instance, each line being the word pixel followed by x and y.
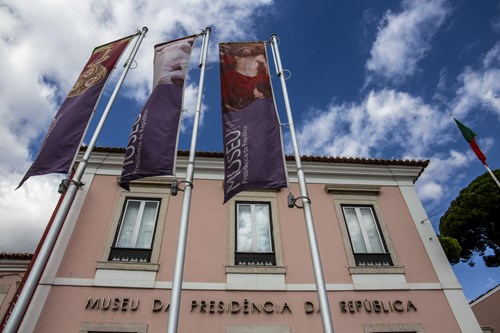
pixel 152 146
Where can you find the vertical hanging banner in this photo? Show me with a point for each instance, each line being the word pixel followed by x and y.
pixel 253 152
pixel 66 130
pixel 152 145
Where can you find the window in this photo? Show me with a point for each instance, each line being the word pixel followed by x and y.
pixel 254 234
pixel 367 243
pixel 136 231
pixel 254 241
pixel 366 239
pixel 4 289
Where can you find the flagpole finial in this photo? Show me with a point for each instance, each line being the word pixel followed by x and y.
pixel 145 29
pixel 208 29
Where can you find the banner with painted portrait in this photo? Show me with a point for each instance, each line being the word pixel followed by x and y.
pixel 253 152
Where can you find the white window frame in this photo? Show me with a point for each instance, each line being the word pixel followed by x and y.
pixel 4 290
pixel 362 195
pixel 138 221
pixel 253 224
pixel 364 229
pixel 151 188
pixel 269 197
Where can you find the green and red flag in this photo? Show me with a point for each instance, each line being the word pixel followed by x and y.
pixel 470 137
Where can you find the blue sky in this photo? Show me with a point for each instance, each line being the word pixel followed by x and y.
pixel 368 79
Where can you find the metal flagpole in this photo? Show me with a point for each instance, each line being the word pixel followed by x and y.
pixel 173 318
pixel 306 202
pixel 492 175
pixel 43 256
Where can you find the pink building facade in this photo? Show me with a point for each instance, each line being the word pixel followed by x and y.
pixel 485 308
pixel 248 267
pixel 12 269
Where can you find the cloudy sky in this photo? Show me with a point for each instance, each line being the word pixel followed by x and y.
pixel 367 79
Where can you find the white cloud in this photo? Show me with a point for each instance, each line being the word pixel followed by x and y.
pixel 491 283
pixel 44 45
pixel 26 211
pixel 430 191
pixel 391 124
pixel 437 180
pixel 404 38
pixel 190 99
pixel 492 57
pixel 495 24
pixel 386 120
pixel 480 87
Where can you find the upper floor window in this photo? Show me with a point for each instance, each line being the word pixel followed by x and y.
pixel 366 240
pixel 136 231
pixel 254 234
pixel 137 227
pixel 364 233
pixel 254 241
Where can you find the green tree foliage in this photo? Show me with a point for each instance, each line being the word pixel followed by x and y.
pixel 452 248
pixel 473 219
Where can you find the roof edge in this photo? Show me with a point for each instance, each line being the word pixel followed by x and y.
pixel 305 158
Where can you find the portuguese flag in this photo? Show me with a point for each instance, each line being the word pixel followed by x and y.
pixel 470 137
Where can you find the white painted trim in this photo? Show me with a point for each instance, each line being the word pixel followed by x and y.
pixel 34 310
pixel 72 282
pixel 211 168
pixel 379 282
pixel 275 282
pixel 223 286
pixel 67 229
pixel 14 265
pixel 49 274
pixel 428 236
pixel 485 296
pixel 119 277
pixel 451 287
pixel 466 319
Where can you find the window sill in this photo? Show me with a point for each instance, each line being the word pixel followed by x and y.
pixel 377 270
pixel 252 269
pixel 130 266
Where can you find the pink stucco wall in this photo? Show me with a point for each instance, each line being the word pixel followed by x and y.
pixel 67 308
pixel 487 311
pixel 207 238
pixel 206 260
pixel 8 280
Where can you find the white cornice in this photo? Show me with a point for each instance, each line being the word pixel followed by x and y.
pixel 107 163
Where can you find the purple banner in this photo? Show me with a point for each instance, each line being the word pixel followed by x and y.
pixel 66 130
pixel 152 145
pixel 253 153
